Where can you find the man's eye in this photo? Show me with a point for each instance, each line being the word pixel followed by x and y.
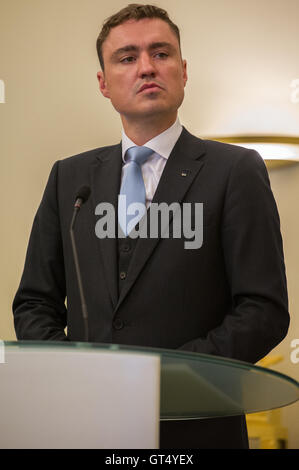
pixel 128 59
pixel 162 55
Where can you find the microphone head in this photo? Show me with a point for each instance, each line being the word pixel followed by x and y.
pixel 83 193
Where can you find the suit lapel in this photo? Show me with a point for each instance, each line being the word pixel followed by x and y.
pixel 105 176
pixel 180 170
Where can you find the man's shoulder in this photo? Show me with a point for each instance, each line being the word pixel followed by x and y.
pixel 222 153
pixel 229 149
pixel 216 146
pixel 89 156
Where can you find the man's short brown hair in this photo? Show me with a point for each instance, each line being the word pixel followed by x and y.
pixel 134 11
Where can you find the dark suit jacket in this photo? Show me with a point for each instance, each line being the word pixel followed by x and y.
pixel 227 298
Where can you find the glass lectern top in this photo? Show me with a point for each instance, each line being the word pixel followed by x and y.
pixel 197 385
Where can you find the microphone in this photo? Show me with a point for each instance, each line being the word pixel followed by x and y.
pixel 81 197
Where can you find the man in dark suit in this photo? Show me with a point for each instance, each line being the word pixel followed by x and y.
pixel 226 298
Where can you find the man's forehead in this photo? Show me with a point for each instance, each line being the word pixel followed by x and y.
pixel 145 31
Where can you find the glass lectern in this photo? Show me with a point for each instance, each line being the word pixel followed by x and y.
pixel 91 395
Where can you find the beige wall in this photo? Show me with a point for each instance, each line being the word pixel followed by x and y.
pixel 242 57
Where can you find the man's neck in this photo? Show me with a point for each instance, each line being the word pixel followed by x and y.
pixel 142 131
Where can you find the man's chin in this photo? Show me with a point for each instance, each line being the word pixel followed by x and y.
pixel 148 112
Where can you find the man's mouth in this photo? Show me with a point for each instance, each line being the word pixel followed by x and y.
pixel 150 87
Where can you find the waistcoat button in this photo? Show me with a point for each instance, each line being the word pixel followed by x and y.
pixel 118 324
pixel 126 248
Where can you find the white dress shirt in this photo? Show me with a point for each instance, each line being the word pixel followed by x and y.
pixel 152 169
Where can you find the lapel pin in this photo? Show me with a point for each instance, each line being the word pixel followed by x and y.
pixel 184 172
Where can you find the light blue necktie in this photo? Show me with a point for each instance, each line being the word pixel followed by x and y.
pixel 133 185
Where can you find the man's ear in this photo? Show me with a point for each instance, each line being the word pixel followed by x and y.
pixel 102 84
pixel 185 76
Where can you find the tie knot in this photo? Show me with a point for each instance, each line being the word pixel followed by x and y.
pixel 138 154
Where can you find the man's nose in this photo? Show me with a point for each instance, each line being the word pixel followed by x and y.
pixel 146 66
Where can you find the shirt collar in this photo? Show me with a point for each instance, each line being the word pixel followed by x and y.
pixel 161 144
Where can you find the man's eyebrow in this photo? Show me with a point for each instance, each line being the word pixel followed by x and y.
pixel 134 48
pixel 156 45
